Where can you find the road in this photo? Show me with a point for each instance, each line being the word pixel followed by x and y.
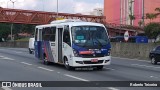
pixel 16 64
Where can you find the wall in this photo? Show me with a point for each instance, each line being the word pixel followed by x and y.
pixel 126 50
pixel 14 44
pixel 132 50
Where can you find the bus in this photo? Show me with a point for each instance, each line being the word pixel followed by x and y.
pixel 73 43
pixel 132 39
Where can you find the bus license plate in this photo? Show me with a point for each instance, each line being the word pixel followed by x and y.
pixel 94 60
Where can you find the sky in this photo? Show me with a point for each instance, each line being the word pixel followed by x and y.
pixel 64 6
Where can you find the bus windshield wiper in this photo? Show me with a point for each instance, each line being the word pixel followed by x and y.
pixel 99 43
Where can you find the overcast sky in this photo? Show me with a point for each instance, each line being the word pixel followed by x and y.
pixel 65 6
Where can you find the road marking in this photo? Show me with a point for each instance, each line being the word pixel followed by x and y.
pixel 7 58
pixel 144 66
pixel 6 88
pixel 1 56
pixel 112 88
pixel 17 52
pixel 26 63
pixel 46 69
pixel 81 79
pixel 109 68
pixel 153 77
pixel 132 59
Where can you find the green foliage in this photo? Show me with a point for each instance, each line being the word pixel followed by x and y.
pixel 152 30
pixel 5 29
pixel 151 16
pixel 158 11
pixel 23 39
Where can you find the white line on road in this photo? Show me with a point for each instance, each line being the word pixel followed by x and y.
pixel 17 52
pixel 7 58
pixel 112 88
pixel 132 59
pixel 153 77
pixel 6 88
pixel 144 66
pixel 46 69
pixel 81 79
pixel 26 63
pixel 109 68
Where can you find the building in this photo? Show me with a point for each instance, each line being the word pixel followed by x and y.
pixel 118 11
pixel 97 12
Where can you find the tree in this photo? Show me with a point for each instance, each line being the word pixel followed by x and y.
pixel 152 30
pixel 150 16
pixel 4 30
pixel 158 10
pixel 131 17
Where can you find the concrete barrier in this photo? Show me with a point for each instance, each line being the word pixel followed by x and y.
pixel 126 50
pixel 132 50
pixel 14 44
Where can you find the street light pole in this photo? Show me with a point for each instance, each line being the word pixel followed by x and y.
pixel 57 8
pixel 13 1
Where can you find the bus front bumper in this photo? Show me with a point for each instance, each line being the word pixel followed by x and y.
pixel 81 62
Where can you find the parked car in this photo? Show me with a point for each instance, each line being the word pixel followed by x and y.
pixel 31 45
pixel 155 55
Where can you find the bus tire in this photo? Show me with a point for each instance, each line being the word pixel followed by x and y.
pixel 99 67
pixel 66 64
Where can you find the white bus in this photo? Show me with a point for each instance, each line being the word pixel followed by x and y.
pixel 73 43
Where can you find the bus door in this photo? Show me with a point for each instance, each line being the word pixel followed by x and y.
pixel 59 44
pixel 49 44
pixel 38 43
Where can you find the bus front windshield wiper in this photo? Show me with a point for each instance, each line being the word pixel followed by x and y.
pixel 99 43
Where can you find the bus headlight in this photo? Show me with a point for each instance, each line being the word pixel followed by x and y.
pixel 75 53
pixel 108 53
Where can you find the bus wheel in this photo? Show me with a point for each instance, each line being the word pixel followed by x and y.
pixel 66 64
pixel 99 67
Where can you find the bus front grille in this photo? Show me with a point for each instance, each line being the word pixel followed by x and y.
pixel 89 62
pixel 91 55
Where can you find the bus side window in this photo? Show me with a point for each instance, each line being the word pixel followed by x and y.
pixel 66 36
pixel 53 34
pixel 46 33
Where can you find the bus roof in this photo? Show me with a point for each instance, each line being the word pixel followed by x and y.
pixel 78 23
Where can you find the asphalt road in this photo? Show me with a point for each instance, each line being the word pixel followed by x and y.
pixel 16 64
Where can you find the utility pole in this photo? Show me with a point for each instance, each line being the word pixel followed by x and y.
pixel 120 11
pixel 120 17
pixel 143 12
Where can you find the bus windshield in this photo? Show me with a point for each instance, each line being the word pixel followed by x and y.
pixel 89 36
